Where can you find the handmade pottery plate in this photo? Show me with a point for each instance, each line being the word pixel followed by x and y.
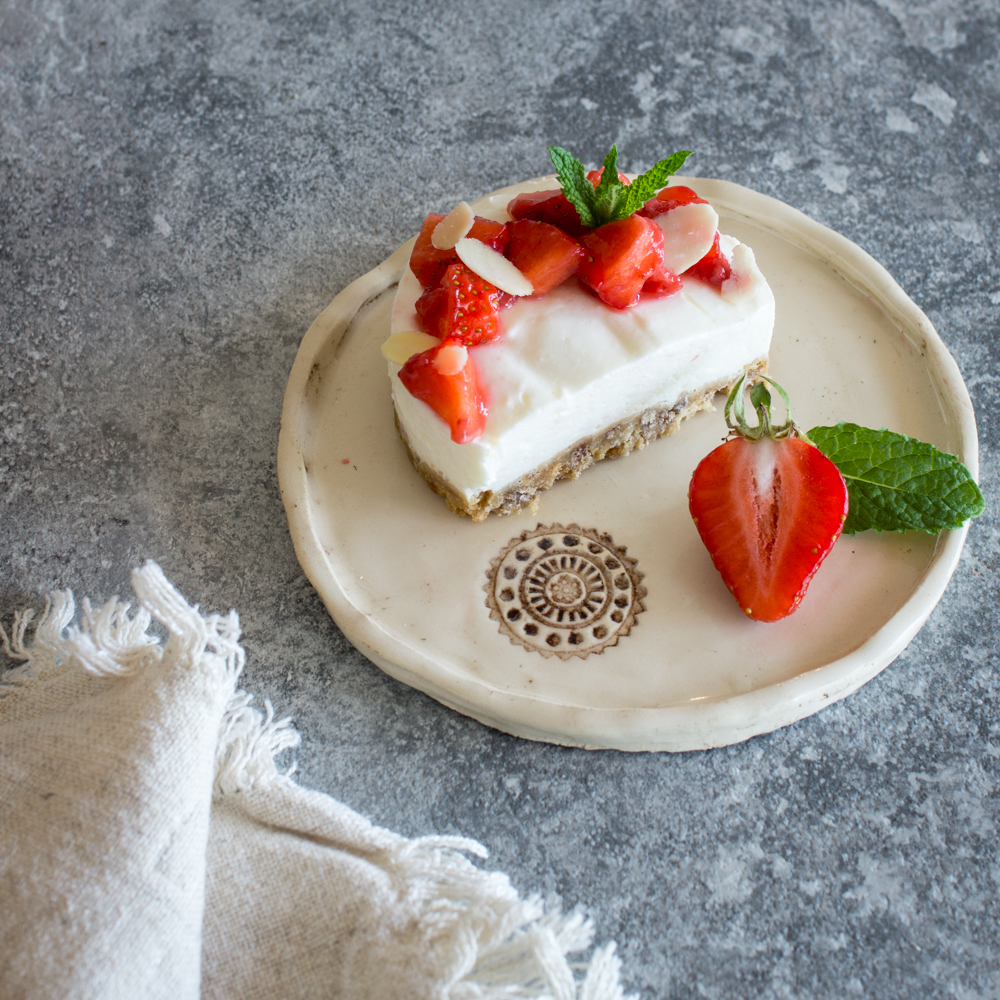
pixel 600 621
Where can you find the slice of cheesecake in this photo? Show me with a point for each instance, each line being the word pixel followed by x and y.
pixel 570 381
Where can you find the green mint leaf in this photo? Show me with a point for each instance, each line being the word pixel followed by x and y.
pixel 896 483
pixel 646 185
pixel 611 200
pixel 609 178
pixel 611 192
pixel 573 179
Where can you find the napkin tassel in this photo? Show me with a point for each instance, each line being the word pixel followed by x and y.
pixel 489 942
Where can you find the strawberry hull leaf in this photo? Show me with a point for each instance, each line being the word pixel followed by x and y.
pixel 897 483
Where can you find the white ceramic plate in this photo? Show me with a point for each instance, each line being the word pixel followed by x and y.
pixel 404 577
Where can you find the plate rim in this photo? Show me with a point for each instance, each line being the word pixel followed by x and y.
pixel 711 722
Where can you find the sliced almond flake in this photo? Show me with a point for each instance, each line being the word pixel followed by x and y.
pixel 492 267
pixel 453 226
pixel 688 234
pixel 451 359
pixel 742 282
pixel 401 346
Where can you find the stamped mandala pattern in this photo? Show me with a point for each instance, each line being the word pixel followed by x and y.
pixel 564 591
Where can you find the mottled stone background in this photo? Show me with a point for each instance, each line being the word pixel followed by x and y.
pixel 184 186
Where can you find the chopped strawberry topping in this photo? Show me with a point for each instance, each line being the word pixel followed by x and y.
pixel 463 307
pixel 713 267
pixel 432 306
pixel 456 399
pixel 661 283
pixel 594 176
pixel 429 264
pixel 623 257
pixel 543 253
pixel 552 207
pixel 668 198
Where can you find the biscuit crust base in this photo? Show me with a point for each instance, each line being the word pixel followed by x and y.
pixel 615 441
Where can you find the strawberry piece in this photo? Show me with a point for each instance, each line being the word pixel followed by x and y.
pixel 431 309
pixel 429 264
pixel 661 283
pixel 543 253
pixel 623 257
pixel 552 207
pixel 668 198
pixel 463 307
pixel 713 267
pixel 594 176
pixel 474 307
pixel 769 512
pixel 456 399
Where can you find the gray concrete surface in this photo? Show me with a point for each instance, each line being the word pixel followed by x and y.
pixel 184 186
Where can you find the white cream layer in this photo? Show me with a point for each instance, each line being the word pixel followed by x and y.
pixel 567 367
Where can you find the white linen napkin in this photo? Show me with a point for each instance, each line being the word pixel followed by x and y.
pixel 150 847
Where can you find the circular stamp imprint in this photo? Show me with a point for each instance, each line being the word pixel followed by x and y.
pixel 564 591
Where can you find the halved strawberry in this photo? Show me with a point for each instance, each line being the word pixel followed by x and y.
pixel 457 399
pixel 713 267
pixel 769 507
pixel 543 253
pixel 463 307
pixel 552 207
pixel 429 264
pixel 668 198
pixel 623 257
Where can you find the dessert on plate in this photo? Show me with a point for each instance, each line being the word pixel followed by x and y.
pixel 579 323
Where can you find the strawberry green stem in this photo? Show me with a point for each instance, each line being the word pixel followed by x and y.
pixel 760 399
